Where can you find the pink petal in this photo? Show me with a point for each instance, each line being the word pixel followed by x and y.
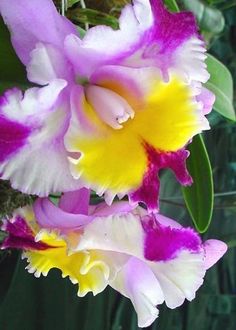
pixel 207 98
pixel 167 221
pixel 50 216
pixel 214 250
pixel 103 210
pixel 34 21
pixel 76 202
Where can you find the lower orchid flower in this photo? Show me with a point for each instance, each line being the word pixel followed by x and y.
pixel 114 108
pixel 148 258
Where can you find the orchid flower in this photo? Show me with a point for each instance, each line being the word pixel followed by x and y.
pixel 148 258
pixel 113 108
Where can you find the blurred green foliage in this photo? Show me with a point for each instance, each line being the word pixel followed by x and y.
pixel 11 199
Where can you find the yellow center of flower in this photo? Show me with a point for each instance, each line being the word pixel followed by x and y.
pixel 116 159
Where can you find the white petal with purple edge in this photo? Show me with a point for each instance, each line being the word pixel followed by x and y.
pixel 102 44
pixel 41 165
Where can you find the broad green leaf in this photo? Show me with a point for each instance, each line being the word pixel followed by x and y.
pixel 209 19
pixel 172 5
pixel 221 84
pixel 199 196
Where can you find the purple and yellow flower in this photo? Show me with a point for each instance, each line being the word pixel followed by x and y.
pixel 114 108
pixel 148 258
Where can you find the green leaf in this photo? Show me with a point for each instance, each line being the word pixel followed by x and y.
pixel 172 5
pixel 209 19
pixel 81 31
pixel 12 70
pixel 221 84
pixel 199 196
pixel 70 3
pixel 92 16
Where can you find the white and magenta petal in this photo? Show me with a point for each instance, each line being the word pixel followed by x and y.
pixel 20 235
pixel 148 36
pixel 177 256
pixel 13 135
pixel 35 160
pixel 164 243
pixel 103 45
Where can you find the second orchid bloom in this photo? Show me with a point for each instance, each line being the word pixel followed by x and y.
pixel 148 258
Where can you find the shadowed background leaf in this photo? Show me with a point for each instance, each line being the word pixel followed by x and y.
pixel 12 72
pixel 210 19
pixel 91 16
pixel 199 196
pixel 221 84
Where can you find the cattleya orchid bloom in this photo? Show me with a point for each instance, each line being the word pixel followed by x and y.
pixel 113 108
pixel 146 257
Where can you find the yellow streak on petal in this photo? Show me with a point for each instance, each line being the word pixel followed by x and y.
pixel 85 268
pixel 116 159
